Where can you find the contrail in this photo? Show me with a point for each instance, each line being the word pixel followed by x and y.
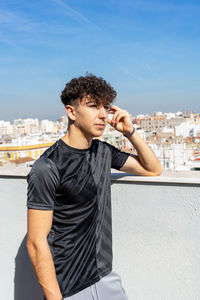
pixel 75 14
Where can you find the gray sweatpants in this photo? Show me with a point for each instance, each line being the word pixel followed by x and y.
pixel 108 288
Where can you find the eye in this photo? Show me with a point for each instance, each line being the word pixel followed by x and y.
pixel 91 104
pixel 107 108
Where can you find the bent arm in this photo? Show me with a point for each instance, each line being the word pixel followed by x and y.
pixel 145 163
pixel 39 224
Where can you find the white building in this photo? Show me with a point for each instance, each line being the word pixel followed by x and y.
pixel 173 156
pixel 187 129
pixel 46 126
pixel 5 128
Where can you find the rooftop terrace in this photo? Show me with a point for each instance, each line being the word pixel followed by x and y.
pixel 156 229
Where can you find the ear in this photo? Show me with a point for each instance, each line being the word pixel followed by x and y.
pixel 70 111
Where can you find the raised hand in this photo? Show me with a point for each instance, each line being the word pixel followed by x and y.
pixel 121 120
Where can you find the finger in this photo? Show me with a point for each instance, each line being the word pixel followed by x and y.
pixel 115 116
pixel 121 118
pixel 110 122
pixel 114 108
pixel 118 115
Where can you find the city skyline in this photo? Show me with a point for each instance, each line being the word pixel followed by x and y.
pixel 139 116
pixel 147 50
pixel 174 136
pixel 64 115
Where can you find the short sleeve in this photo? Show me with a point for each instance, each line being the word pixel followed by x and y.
pixel 118 158
pixel 43 181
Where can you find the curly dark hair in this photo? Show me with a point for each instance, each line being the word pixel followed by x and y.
pixel 88 86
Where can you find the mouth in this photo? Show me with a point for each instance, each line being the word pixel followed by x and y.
pixel 100 125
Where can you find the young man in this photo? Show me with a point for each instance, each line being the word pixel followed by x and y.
pixel 69 206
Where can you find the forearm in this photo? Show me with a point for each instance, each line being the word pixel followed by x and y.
pixel 145 154
pixel 42 261
pixel 146 163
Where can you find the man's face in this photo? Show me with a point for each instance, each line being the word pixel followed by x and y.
pixel 90 117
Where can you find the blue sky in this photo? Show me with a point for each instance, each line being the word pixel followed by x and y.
pixel 148 50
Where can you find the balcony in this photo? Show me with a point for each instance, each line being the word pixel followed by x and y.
pixel 156 229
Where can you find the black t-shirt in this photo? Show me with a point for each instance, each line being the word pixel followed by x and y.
pixel 75 184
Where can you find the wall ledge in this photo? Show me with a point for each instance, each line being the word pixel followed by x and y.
pixel 167 177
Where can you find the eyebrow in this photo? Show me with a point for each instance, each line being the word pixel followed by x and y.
pixel 90 101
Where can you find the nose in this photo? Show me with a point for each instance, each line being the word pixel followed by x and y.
pixel 103 113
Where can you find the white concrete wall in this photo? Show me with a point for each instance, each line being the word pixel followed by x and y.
pixel 17 280
pixel 157 240
pixel 156 231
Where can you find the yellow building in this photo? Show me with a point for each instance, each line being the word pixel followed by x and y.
pixel 14 152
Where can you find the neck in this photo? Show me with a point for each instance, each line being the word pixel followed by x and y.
pixel 77 139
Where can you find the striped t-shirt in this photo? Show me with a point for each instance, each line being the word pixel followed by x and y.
pixel 75 184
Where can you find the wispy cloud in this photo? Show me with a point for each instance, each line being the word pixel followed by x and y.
pixel 129 73
pixel 9 43
pixel 152 70
pixel 20 29
pixel 156 74
pixel 148 79
pixel 76 15
pixel 15 28
pixel 15 22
